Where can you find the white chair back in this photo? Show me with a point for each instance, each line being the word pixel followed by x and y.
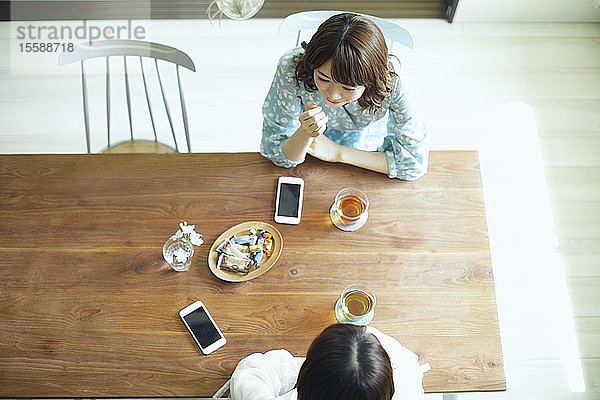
pixel 307 20
pixel 128 51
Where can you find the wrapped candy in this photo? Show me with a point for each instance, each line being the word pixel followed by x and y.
pixel 245 252
pixel 232 249
pixel 234 264
pixel 246 240
pixel 258 256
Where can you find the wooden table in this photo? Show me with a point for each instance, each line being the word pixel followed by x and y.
pixel 89 308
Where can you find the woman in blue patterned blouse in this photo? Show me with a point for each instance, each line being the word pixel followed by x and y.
pixel 339 99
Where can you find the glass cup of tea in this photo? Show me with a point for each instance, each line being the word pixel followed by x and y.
pixel 356 305
pixel 349 210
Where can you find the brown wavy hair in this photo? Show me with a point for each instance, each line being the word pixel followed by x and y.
pixel 345 362
pixel 359 57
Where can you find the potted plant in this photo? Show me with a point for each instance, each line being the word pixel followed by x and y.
pixel 234 9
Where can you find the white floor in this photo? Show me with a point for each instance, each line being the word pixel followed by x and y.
pixel 526 95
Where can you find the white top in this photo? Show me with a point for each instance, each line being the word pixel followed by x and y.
pixel 272 375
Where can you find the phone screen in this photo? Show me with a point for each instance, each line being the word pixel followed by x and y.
pixel 289 198
pixel 202 327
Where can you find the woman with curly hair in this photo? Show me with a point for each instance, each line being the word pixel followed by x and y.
pixel 339 98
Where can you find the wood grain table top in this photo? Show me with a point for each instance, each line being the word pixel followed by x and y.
pixel 89 308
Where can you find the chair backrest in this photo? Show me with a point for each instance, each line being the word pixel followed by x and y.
pixel 125 49
pixel 312 19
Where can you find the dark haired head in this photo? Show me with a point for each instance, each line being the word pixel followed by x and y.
pixel 345 362
pixel 358 53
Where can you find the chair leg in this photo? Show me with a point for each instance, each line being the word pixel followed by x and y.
pixel 162 90
pixel 148 100
pixel 450 396
pixel 184 113
pixel 85 108
pixel 128 97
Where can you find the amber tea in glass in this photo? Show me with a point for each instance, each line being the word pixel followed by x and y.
pixel 349 209
pixel 356 305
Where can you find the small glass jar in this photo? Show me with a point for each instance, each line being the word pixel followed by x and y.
pixel 178 253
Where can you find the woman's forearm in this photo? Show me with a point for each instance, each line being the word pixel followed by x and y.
pixel 371 160
pixel 296 146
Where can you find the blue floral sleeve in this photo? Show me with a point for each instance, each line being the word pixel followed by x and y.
pixel 281 109
pixel 406 148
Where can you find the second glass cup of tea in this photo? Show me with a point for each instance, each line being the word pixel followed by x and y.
pixel 349 210
pixel 356 305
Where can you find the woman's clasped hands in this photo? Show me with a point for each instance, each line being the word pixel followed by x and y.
pixel 313 122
